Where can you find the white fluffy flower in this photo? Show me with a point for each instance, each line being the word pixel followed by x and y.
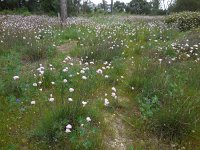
pixel 51 99
pixel 160 60
pixel 65 69
pixel 82 71
pixel 70 99
pixel 16 77
pixel 88 119
pixel 106 76
pixel 71 90
pixel 67 130
pixel 35 84
pixel 113 94
pixel 99 71
pixel 84 103
pixel 114 89
pixel 84 77
pixel 69 126
pixel 106 102
pixel 65 80
pixel 32 102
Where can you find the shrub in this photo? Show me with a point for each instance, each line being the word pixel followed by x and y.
pixel 184 21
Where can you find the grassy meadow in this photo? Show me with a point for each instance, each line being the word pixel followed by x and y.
pixel 98 83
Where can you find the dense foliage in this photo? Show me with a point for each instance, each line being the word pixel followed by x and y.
pixel 42 6
pixel 185 20
pixel 185 5
pixel 138 7
pixel 119 6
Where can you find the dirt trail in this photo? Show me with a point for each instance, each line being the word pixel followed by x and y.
pixel 118 140
pixel 66 47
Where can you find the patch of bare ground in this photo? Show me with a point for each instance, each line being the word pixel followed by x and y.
pixel 118 140
pixel 66 47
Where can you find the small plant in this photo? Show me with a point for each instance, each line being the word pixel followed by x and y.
pixel 148 106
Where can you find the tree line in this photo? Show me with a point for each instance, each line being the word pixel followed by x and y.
pixel 75 7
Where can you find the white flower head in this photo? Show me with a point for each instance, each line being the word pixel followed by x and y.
pixel 67 130
pixel 113 94
pixel 114 89
pixel 88 119
pixel 32 102
pixel 106 76
pixel 34 84
pixel 65 69
pixel 16 77
pixel 99 71
pixel 65 80
pixel 106 102
pixel 160 60
pixel 71 90
pixel 51 99
pixel 84 77
pixel 69 126
pixel 70 99
pixel 84 103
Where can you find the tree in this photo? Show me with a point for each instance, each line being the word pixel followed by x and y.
pixel 111 6
pixel 119 6
pixel 88 6
pixel 186 5
pixel 155 6
pixel 139 7
pixel 63 10
pixel 105 5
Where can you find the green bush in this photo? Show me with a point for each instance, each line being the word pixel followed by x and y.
pixel 184 20
pixel 23 11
